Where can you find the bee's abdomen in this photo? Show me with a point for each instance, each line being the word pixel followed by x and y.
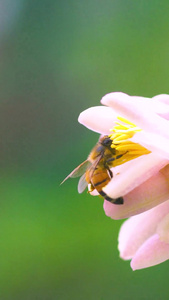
pixel 101 178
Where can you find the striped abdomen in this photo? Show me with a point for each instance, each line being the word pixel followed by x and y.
pixel 99 178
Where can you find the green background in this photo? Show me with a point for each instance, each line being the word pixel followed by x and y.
pixel 58 58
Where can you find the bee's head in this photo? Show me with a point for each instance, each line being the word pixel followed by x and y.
pixel 106 141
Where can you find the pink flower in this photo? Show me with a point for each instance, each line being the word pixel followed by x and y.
pixel 145 238
pixel 141 133
pixel 140 124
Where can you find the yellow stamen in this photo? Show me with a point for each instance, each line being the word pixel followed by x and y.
pixel 121 133
pixel 126 121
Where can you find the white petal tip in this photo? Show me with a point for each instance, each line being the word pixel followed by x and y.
pixel 125 256
pixel 82 117
pixel 133 267
pixel 115 96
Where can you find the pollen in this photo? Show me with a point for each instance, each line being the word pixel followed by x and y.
pixel 121 134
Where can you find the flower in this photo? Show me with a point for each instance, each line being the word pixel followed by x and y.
pixel 139 128
pixel 145 238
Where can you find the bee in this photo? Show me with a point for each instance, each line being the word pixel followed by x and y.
pixel 95 171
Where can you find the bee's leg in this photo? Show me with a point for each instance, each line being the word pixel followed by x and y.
pixel 108 169
pixel 114 158
pixel 110 172
pixel 90 188
pixel 117 201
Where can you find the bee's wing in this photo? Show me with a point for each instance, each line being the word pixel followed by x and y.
pixel 94 165
pixel 82 185
pixel 82 181
pixel 78 171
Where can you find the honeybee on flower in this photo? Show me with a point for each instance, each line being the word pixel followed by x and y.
pixel 111 150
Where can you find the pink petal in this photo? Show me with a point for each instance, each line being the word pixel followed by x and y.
pixel 151 253
pixel 136 230
pixel 99 118
pixel 152 192
pixel 163 98
pixel 157 104
pixel 163 229
pixel 153 142
pixel 133 173
pixel 134 100
pixel 161 105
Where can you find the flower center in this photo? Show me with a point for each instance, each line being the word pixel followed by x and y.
pixel 121 133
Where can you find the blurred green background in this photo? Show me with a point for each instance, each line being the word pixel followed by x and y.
pixel 57 58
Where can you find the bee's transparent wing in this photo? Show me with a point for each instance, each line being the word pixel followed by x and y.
pixel 78 171
pixel 82 185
